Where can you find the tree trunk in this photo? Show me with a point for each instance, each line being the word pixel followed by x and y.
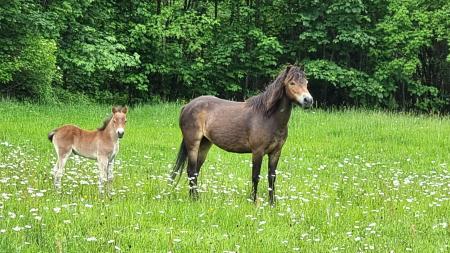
pixel 216 6
pixel 158 7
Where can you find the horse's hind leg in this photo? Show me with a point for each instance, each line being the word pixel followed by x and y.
pixel 205 145
pixel 193 148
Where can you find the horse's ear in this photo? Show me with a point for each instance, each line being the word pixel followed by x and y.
pixel 125 109
pixel 286 72
pixel 114 109
pixel 288 67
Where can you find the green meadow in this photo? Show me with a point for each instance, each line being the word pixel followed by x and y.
pixel 348 181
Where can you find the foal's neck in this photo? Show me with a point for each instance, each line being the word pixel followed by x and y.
pixel 110 131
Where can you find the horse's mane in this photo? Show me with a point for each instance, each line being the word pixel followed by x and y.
pixel 267 101
pixel 105 123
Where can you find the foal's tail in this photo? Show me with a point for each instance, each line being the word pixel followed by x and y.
pixel 179 164
pixel 50 135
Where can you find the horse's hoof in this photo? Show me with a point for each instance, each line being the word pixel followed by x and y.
pixel 194 195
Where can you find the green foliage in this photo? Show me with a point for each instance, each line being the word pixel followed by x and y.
pixel 360 86
pixel 38 69
pixel 390 53
pixel 408 51
pixel 31 74
pixel 27 60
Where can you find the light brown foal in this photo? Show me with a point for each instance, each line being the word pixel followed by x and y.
pixel 101 145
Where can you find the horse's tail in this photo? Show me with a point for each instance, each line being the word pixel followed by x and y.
pixel 180 164
pixel 50 135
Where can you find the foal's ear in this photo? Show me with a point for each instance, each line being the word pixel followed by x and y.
pixel 114 109
pixel 125 109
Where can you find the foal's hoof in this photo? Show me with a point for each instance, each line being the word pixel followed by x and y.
pixel 58 189
pixel 110 195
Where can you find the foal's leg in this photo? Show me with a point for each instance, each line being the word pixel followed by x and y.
pixel 110 175
pixel 256 169
pixel 58 170
pixel 273 161
pixel 102 162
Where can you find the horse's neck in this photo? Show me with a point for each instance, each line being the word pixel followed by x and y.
pixel 283 112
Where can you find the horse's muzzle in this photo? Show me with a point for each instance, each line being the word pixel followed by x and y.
pixel 120 135
pixel 306 100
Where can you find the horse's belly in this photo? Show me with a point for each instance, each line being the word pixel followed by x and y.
pixel 230 143
pixel 235 148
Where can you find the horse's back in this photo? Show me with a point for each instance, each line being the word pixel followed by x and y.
pixel 210 101
pixel 223 122
pixel 204 107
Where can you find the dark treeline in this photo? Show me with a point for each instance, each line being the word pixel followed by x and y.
pixel 385 53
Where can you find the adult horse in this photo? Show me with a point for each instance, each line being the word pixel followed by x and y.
pixel 257 126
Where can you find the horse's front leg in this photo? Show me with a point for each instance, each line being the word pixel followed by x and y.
pixel 256 169
pixel 102 163
pixel 271 176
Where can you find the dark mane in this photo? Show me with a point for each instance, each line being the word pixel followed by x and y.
pixel 105 123
pixel 267 101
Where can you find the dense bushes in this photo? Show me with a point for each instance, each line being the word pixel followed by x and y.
pixel 384 53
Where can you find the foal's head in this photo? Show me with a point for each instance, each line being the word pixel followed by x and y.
pixel 119 119
pixel 296 86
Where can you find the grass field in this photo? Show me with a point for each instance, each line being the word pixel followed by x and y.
pixel 348 181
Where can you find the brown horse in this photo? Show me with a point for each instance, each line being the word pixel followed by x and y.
pixel 257 126
pixel 101 145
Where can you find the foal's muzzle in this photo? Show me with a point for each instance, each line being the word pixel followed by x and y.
pixel 120 132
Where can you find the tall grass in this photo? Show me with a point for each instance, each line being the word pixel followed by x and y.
pixel 348 181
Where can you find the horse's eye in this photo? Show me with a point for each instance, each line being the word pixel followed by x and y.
pixel 292 83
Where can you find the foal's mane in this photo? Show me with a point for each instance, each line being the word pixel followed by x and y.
pixel 108 119
pixel 267 101
pixel 105 123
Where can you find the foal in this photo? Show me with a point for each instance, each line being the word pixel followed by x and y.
pixel 257 126
pixel 101 145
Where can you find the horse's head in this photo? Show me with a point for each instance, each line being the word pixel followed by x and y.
pixel 296 86
pixel 119 119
